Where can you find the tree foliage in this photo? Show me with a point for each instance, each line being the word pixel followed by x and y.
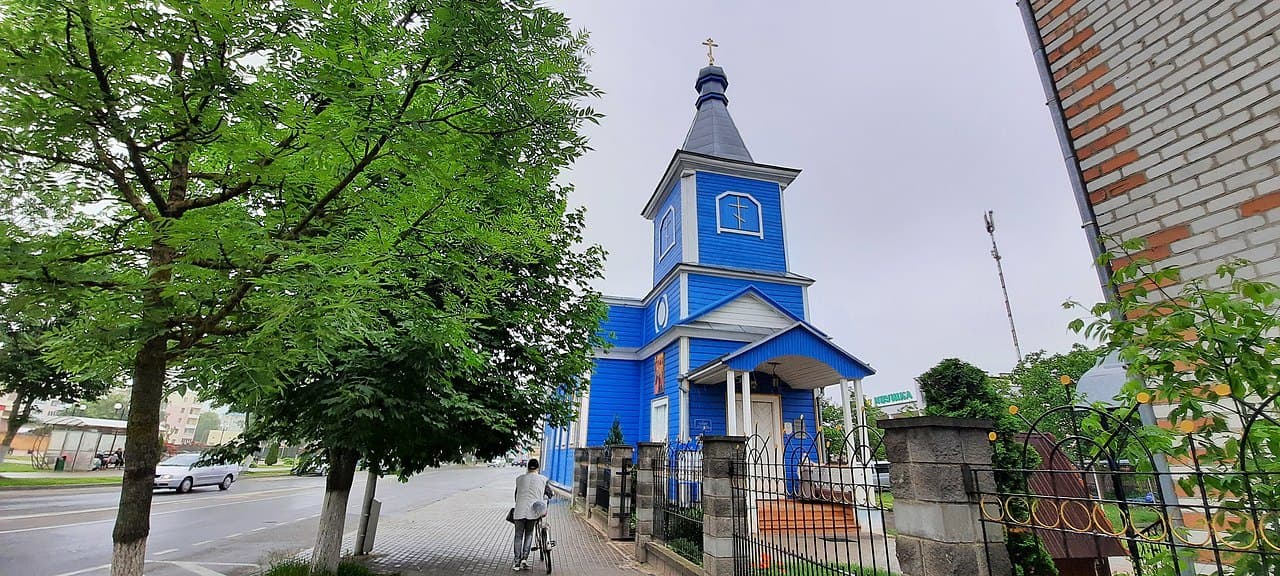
pixel 208 422
pixel 958 389
pixel 26 373
pixel 257 197
pixel 1212 353
pixel 1038 381
pixel 615 438
pixel 834 434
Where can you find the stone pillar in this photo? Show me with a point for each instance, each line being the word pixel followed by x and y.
pixel 719 455
pixel 652 455
pixel 618 518
pixel 594 470
pixel 938 520
pixel 581 459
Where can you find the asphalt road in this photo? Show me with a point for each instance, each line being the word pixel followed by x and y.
pixel 67 532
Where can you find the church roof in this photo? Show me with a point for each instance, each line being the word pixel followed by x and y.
pixel 713 131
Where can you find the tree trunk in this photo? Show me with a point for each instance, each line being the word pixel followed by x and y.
pixel 142 451
pixel 20 414
pixel 142 441
pixel 337 490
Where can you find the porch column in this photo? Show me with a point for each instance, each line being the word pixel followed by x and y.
pixel 747 428
pixel 861 402
pixel 848 420
pixel 731 424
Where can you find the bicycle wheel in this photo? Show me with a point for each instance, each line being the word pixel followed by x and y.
pixel 544 547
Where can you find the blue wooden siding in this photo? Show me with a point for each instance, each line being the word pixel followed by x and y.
pixel 740 250
pixel 671 390
pixel 705 290
pixel 799 341
pixel 704 350
pixel 615 392
pixel 622 326
pixel 672 292
pixel 706 406
pixel 663 264
pixel 557 460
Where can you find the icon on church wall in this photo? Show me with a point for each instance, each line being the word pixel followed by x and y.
pixel 738 213
pixel 659 378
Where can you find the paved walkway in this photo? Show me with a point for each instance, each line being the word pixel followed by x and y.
pixel 466 533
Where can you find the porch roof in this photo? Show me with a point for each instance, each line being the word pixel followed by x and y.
pixel 799 355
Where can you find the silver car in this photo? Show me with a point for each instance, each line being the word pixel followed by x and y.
pixel 181 474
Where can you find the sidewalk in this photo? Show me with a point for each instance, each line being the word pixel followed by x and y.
pixel 117 472
pixel 466 534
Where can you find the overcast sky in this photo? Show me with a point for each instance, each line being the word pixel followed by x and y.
pixel 909 120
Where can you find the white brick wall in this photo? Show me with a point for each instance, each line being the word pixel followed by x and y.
pixel 1197 85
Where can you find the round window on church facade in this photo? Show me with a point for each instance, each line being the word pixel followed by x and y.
pixel 661 312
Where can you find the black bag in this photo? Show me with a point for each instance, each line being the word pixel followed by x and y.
pixel 511 515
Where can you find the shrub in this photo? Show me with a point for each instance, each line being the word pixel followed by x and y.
pixel 299 568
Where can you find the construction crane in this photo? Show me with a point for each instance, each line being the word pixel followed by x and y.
pixel 990 218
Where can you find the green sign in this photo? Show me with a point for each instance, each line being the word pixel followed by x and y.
pixel 893 398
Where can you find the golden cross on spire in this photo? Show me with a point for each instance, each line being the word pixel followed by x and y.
pixel 711 57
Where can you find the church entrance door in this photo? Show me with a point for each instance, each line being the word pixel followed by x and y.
pixel 764 453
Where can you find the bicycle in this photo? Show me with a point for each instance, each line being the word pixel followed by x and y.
pixel 544 542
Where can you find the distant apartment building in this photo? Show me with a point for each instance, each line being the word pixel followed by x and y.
pixel 181 413
pixel 1168 115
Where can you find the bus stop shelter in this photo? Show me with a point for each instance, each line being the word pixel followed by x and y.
pixel 79 438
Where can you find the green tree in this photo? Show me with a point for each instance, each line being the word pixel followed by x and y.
pixel 208 422
pixel 615 437
pixel 961 390
pixel 29 376
pixel 1212 353
pixel 105 406
pixel 223 188
pixel 1039 387
pixel 833 432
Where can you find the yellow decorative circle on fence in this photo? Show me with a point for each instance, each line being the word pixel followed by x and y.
pixel 1144 397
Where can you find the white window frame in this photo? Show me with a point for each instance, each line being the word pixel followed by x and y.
pixel 665 402
pixel 720 228
pixel 661 320
pixel 668 219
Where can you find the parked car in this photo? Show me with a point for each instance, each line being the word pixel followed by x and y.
pixel 181 474
pixel 882 474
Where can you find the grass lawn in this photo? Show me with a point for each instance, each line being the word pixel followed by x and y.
pixel 265 472
pixel 886 499
pixel 17 466
pixel 1143 516
pixel 70 481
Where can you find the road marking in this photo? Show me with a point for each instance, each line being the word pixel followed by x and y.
pixel 95 568
pixel 153 514
pixel 92 510
pixel 237 534
pixel 197 569
pixel 259 529
pixel 162 553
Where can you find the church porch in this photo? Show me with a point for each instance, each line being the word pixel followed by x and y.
pixel 793 486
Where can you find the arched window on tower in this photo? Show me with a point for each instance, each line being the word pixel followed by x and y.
pixel 667 232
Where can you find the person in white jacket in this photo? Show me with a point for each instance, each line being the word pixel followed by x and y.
pixel 532 490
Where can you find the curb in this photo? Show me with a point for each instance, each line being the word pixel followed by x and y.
pixel 56 487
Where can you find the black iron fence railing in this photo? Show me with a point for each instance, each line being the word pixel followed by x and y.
pixel 1097 488
pixel 795 513
pixel 678 496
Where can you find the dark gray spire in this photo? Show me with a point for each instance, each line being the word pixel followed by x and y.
pixel 713 131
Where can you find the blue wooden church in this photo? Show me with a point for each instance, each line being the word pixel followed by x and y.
pixel 721 343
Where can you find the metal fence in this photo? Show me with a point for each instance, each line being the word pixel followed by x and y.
pixel 603 476
pixel 1092 489
pixel 678 483
pixel 798 511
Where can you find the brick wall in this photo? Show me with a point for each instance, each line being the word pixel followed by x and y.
pixel 1172 109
